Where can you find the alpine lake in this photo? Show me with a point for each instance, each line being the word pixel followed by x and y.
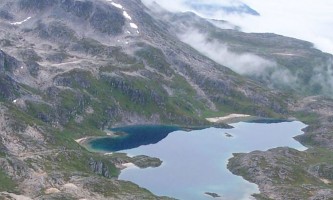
pixel 195 162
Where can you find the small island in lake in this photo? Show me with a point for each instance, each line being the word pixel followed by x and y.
pixel 214 195
pixel 123 161
pixel 228 135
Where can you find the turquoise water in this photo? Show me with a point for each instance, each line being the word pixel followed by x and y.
pixel 195 162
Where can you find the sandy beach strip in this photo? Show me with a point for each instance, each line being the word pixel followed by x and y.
pixel 122 166
pixel 127 165
pixel 228 117
pixel 82 140
pixel 85 140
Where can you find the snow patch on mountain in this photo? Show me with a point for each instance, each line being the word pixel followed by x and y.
pixel 126 15
pixel 21 22
pixel 134 26
pixel 117 5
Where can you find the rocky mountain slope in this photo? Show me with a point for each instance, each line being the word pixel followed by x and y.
pixel 279 62
pixel 73 68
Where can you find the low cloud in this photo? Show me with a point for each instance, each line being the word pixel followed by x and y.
pixel 184 6
pixel 242 63
pixel 303 19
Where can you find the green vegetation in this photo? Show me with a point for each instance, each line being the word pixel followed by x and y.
pixel 60 31
pixel 261 197
pixel 123 188
pixel 307 117
pixel 299 59
pixel 8 88
pixel 153 81
pixel 68 155
pixel 155 58
pixel 6 183
pixel 39 110
pixel 320 155
pixel 288 169
pixel 114 95
pixel 22 118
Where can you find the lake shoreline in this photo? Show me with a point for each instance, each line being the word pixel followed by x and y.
pixel 221 148
pixel 128 164
pixel 85 141
pixel 217 122
pixel 229 118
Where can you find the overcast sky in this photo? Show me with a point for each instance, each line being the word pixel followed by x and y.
pixel 310 20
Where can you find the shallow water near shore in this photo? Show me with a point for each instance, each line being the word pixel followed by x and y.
pixel 195 162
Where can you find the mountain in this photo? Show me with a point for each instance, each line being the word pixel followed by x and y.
pixel 74 68
pixel 91 52
pixel 211 8
pixel 279 62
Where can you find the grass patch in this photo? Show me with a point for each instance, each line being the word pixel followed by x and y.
pixel 261 197
pixel 307 117
pixel 155 58
pixel 6 183
pixel 72 157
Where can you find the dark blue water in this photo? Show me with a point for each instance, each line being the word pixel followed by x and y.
pixel 133 137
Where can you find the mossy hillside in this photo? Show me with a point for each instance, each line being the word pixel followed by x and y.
pixel 233 101
pixel 123 189
pixel 141 85
pixel 6 183
pixel 307 117
pixel 108 97
pixel 68 155
pixel 70 159
pixel 22 118
pixel 8 88
pixel 40 111
pixel 112 93
pixel 70 162
pixel 312 157
pixel 128 94
pixel 307 64
pixel 155 58
pixel 291 170
pixel 260 197
pixel 72 103
pixel 308 68
pixel 128 66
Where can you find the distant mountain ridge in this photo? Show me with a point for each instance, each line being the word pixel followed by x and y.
pixel 209 8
